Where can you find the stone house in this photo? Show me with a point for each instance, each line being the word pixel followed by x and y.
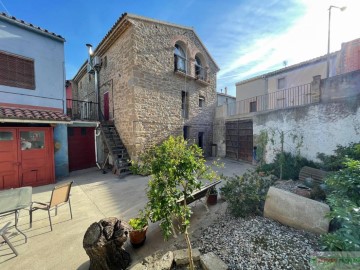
pixel 156 79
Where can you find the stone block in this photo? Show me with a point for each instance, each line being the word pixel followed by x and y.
pixel 181 256
pixel 296 211
pixel 210 261
pixel 165 262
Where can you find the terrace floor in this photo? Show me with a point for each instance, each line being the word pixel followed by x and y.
pixel 93 196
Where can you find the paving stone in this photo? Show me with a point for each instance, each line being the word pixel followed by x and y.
pixel 210 261
pixel 181 256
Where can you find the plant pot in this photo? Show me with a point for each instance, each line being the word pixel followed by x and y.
pixel 212 199
pixel 303 191
pixel 138 237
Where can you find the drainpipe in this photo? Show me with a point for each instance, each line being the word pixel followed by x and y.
pixel 96 140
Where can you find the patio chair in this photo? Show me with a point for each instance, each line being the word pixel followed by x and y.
pixel 6 240
pixel 60 196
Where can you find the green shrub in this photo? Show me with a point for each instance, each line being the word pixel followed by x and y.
pixel 344 201
pixel 291 165
pixel 140 222
pixel 246 194
pixel 341 153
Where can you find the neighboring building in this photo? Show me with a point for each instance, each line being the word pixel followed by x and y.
pixel 32 105
pixel 291 86
pixel 156 79
pixel 224 98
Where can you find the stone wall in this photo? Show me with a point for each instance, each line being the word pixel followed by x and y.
pixel 144 91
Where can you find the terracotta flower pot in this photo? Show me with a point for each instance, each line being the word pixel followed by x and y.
pixel 138 237
pixel 212 199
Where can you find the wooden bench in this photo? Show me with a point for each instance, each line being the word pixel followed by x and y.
pixel 316 174
pixel 198 194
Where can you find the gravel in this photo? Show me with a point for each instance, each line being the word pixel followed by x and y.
pixel 257 243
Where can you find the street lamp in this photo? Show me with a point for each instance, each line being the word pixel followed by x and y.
pixel 93 67
pixel 328 51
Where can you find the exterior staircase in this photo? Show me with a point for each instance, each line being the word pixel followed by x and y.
pixel 117 150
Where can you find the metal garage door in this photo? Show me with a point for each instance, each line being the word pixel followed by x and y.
pixel 239 140
pixel 81 143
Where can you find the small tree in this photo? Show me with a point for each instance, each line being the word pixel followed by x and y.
pixel 176 167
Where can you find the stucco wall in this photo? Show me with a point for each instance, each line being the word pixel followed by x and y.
pixel 298 76
pixel 48 56
pixel 251 89
pixel 322 126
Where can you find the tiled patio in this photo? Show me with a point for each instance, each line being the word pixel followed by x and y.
pixel 93 196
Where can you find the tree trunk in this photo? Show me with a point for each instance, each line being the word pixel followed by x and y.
pixel 191 262
pixel 103 243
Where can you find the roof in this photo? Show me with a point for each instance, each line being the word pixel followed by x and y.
pixel 225 95
pixel 121 25
pixel 29 26
pixel 289 68
pixel 46 116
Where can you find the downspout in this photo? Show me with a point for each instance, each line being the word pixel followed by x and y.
pixel 96 151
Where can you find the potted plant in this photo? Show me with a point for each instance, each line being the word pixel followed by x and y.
pixel 212 196
pixel 139 227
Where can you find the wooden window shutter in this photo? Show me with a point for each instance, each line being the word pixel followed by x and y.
pixel 16 71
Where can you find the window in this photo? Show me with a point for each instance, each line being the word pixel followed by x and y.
pixel 186 132
pixel 253 106
pixel 201 140
pixel 198 68
pixel 16 71
pixel 184 104
pixel 6 136
pixel 32 140
pixel 179 59
pixel 201 102
pixel 281 83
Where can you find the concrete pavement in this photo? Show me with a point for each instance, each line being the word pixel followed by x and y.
pixel 93 196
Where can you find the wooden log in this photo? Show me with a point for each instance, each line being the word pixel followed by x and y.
pixel 103 243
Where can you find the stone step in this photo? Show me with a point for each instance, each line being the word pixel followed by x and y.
pixel 210 261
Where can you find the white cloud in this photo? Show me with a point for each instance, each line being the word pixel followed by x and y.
pixel 305 39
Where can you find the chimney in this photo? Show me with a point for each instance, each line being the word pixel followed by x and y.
pixel 225 90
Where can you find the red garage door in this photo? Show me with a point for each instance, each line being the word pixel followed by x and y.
pixel 81 148
pixel 26 157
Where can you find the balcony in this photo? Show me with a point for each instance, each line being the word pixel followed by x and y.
pixel 189 69
pixel 291 97
pixel 82 110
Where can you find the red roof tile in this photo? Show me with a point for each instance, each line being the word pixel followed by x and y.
pixel 27 114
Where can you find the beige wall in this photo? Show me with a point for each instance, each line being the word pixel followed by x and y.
pixel 251 89
pixel 298 76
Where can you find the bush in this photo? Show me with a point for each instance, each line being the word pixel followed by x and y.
pixel 341 153
pixel 291 165
pixel 344 201
pixel 246 194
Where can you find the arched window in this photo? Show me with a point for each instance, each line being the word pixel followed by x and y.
pixel 180 58
pixel 200 72
pixel 198 66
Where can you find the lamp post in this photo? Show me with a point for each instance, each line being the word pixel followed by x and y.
pixel 328 49
pixel 94 66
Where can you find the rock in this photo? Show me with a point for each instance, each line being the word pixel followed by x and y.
pixel 139 266
pixel 181 256
pixel 210 261
pixel 165 262
pixel 296 211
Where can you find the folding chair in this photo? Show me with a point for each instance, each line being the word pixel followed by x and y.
pixel 6 240
pixel 59 196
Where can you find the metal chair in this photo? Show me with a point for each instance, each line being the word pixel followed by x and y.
pixel 6 240
pixel 60 195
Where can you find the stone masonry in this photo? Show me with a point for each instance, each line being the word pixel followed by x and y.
pixel 145 94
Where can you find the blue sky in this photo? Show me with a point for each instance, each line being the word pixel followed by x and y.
pixel 245 37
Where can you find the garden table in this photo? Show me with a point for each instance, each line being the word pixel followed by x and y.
pixel 13 200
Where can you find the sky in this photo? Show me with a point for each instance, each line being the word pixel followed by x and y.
pixel 246 38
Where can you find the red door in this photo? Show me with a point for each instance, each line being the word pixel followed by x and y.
pixel 106 106
pixel 9 164
pixel 81 145
pixel 26 157
pixel 37 156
